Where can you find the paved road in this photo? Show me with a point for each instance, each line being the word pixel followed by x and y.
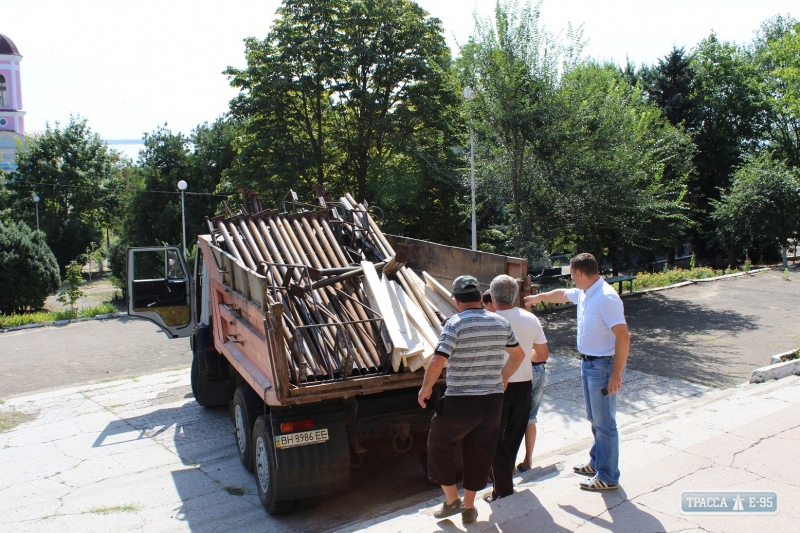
pixel 711 333
pixel 52 357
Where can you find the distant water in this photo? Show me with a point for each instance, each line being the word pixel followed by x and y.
pixel 128 147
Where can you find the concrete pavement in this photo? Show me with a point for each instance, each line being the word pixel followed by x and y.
pixel 738 439
pixel 140 455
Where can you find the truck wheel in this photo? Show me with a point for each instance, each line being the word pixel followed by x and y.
pixel 264 449
pixel 246 408
pixel 210 382
pixel 207 393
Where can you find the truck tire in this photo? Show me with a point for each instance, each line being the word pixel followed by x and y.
pixel 209 376
pixel 246 408
pixel 206 392
pixel 264 459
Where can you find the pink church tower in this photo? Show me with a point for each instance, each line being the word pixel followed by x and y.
pixel 12 121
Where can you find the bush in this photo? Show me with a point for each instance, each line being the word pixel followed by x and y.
pixel 28 269
pixel 645 280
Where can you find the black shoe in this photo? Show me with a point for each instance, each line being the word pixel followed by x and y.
pixel 468 516
pixel 449 510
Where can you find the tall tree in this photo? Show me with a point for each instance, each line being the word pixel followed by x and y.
pixel 728 123
pixel 348 93
pixel 609 167
pixel 761 210
pixel 669 84
pixel 776 52
pixel 74 173
pixel 512 64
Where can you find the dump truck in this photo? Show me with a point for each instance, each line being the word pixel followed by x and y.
pixel 314 328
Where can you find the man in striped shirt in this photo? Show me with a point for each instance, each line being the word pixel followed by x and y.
pixel 473 343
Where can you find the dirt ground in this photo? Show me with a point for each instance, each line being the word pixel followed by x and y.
pixel 97 291
pixel 711 333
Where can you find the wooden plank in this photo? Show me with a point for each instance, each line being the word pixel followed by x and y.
pixel 380 301
pixel 441 304
pixel 417 317
pixel 414 283
pixel 415 342
pixel 439 289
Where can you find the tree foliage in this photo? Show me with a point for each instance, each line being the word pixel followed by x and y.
pixel 761 210
pixel 727 122
pixel 73 172
pixel 28 269
pixel 776 53
pixel 358 95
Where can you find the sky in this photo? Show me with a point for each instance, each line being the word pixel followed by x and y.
pixel 129 67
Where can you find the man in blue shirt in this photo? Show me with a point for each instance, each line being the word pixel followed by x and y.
pixel 603 342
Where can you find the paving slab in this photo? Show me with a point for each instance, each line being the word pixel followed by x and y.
pixel 655 471
pixel 143 449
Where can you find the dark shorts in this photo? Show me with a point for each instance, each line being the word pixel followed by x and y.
pixel 472 421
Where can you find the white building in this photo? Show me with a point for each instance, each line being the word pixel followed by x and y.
pixel 12 118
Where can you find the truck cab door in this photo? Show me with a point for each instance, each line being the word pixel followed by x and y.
pixel 160 289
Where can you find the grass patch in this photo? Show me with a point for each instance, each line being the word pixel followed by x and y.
pixel 646 280
pixel 12 419
pixel 12 320
pixel 792 356
pixel 127 508
pixel 234 491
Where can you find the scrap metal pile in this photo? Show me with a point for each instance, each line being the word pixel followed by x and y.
pixel 351 306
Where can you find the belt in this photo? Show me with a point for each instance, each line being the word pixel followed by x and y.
pixel 539 364
pixel 593 357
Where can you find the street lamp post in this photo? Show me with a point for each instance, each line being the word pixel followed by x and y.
pixel 182 185
pixel 36 201
pixel 469 95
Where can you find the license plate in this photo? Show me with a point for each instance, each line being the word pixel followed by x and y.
pixel 303 438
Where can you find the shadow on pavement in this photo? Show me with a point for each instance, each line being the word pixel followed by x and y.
pixel 218 494
pixel 625 516
pixel 676 339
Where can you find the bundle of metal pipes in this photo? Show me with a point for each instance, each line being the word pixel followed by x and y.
pixel 315 257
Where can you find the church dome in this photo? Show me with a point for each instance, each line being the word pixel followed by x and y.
pixel 7 46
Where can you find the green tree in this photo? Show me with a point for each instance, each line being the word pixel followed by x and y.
pixel 72 292
pixel 73 171
pixel 28 269
pixel 761 210
pixel 512 65
pixel 152 212
pixel 728 122
pixel 776 52
pixel 669 85
pixel 608 172
pixel 356 95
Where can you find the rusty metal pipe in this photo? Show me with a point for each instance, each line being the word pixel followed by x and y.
pixel 248 260
pixel 227 238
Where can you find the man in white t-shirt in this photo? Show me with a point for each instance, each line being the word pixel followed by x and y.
pixel 517 397
pixel 603 342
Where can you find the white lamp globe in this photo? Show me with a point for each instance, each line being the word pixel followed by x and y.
pixel 182 185
pixel 36 198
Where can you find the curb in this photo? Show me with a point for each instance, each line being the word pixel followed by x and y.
pixel 59 323
pixel 779 369
pixel 778 357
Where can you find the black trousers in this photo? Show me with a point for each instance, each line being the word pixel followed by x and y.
pixel 473 421
pixel 513 423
